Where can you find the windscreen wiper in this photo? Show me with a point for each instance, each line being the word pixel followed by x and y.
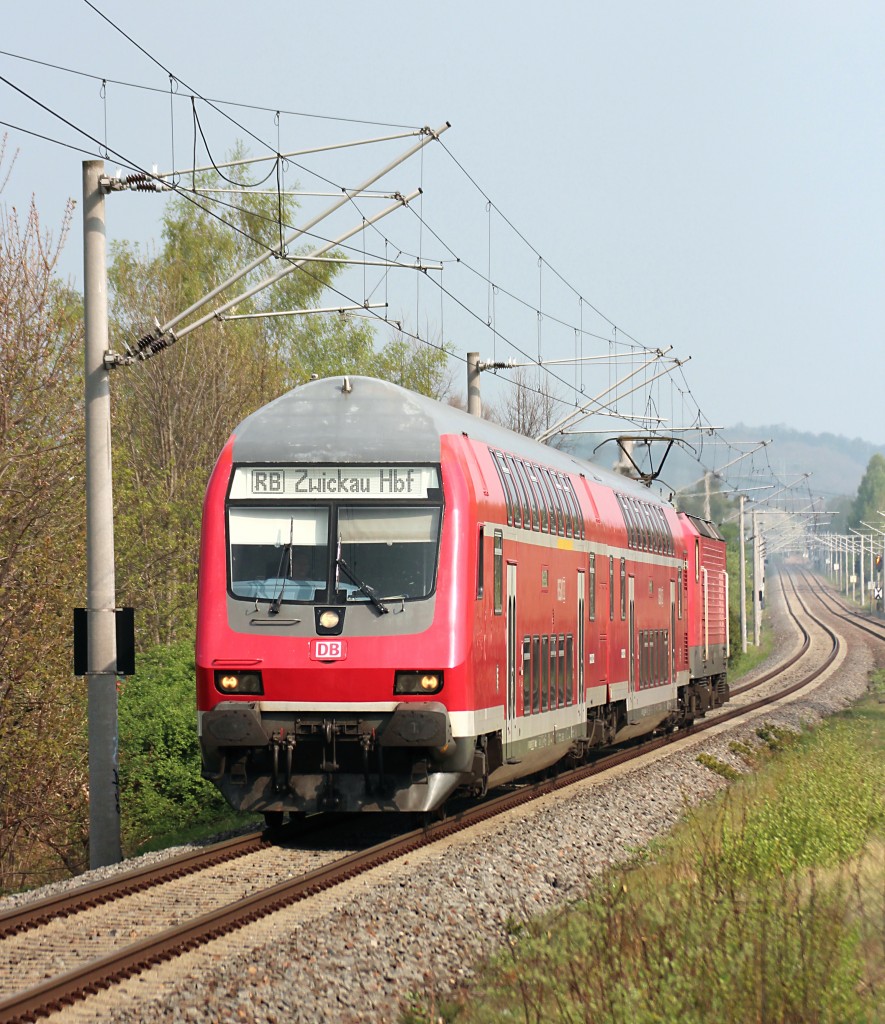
pixel 363 588
pixel 274 608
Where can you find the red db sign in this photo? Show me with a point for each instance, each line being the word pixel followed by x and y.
pixel 328 650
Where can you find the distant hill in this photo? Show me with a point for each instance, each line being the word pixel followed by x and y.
pixel 836 463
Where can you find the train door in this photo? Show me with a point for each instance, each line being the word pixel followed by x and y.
pixel 512 655
pixel 631 628
pixel 580 695
pixel 672 644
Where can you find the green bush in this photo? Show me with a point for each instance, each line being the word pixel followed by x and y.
pixel 827 802
pixel 161 790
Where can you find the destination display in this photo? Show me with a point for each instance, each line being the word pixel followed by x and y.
pixel 312 482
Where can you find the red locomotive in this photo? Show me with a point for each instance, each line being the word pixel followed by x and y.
pixel 398 600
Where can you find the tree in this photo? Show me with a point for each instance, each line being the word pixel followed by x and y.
pixel 871 494
pixel 42 753
pixel 531 407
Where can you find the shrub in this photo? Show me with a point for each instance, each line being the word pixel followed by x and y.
pixel 161 789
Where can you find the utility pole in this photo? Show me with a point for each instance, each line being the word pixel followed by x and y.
pixel 743 581
pixel 104 784
pixel 474 398
pixel 757 583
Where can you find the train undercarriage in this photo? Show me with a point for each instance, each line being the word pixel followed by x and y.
pixel 406 760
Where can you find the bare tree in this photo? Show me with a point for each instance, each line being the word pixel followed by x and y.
pixel 531 406
pixel 42 709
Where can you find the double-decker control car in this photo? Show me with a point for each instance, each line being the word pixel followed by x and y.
pixel 398 600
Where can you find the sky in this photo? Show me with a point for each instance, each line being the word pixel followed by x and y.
pixel 688 174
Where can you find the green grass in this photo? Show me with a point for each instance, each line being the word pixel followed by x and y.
pixel 226 821
pixel 741 664
pixel 767 905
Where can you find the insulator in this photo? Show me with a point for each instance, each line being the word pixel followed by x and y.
pixel 143 182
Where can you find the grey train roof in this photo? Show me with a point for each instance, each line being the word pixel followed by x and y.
pixel 323 422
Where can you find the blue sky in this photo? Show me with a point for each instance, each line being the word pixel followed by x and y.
pixel 707 176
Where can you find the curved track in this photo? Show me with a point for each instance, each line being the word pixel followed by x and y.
pixel 836 606
pixel 134 957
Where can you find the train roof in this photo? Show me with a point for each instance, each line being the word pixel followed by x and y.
pixel 366 420
pixel 703 526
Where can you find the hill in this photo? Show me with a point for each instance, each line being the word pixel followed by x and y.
pixel 836 463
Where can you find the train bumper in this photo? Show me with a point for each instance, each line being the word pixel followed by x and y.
pixel 400 760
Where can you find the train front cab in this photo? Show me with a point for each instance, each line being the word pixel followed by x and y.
pixel 343 720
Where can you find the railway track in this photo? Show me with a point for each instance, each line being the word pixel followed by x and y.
pixel 860 620
pixel 96 972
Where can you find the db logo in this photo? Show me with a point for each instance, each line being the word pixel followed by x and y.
pixel 328 650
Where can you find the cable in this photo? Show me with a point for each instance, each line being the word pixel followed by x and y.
pixel 219 102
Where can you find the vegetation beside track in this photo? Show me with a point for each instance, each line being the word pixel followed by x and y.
pixel 767 905
pixel 164 799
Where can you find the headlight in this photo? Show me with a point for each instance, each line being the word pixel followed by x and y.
pixel 418 682
pixel 238 682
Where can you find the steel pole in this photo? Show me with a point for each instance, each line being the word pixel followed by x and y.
pixel 743 582
pixel 757 583
pixel 474 399
pixel 104 792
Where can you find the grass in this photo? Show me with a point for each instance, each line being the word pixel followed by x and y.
pixel 229 821
pixel 767 905
pixel 740 663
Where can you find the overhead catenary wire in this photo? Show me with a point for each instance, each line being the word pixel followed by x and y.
pixel 494 288
pixel 210 99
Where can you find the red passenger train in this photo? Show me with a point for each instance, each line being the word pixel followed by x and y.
pixel 398 600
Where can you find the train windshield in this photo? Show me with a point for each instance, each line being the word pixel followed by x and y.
pixel 390 549
pixel 279 554
pixel 282 553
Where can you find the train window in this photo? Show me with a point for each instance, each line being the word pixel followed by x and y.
pixel 559 480
pixel 392 550
pixel 554 672
pixel 623 589
pixel 652 527
pixel 523 518
pixel 592 576
pixel 540 495
pixel 579 513
pixel 565 525
pixel 665 531
pixel 506 484
pixel 611 588
pixel 280 553
pixel 480 564
pixel 498 572
pixel 627 513
pixel 536 674
pixel 515 494
pixel 644 674
pixel 526 675
pixel 641 531
pixel 544 662
pixel 569 669
pixel 665 636
pixel 560 669
pixel 552 503
pixel 525 478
